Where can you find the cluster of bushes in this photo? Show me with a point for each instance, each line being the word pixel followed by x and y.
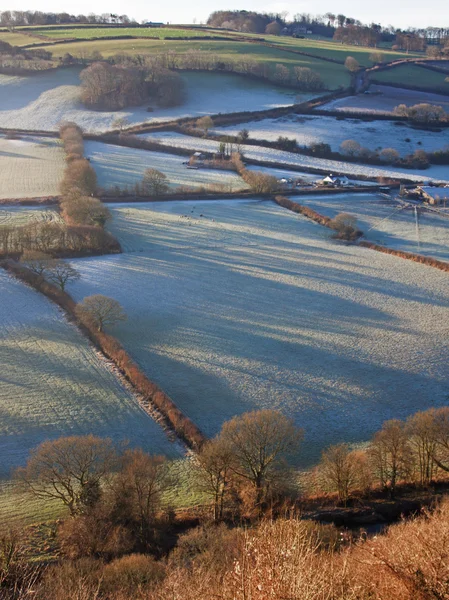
pixel 14 58
pixel 426 114
pixel 129 82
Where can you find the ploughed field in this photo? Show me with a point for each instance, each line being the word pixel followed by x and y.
pixel 124 167
pixel 44 101
pixel 53 383
pixel 30 167
pixel 241 305
pixel 388 223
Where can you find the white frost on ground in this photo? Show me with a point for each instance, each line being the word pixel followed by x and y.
pixel 386 223
pixel 44 101
pixel 308 130
pixel 235 306
pixel 435 173
pixel 121 166
pixel 386 101
pixel 30 167
pixel 19 215
pixel 54 384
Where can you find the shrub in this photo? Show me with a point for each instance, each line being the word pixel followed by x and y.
pixel 131 574
pixel 345 226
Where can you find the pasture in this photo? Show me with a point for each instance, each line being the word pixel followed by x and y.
pixel 383 99
pixel 241 305
pixel 327 48
pixel 82 33
pixel 308 130
pixel 288 160
pixel 411 75
pixel 124 167
pixel 334 75
pixel 386 223
pixel 54 383
pixel 44 101
pixel 30 167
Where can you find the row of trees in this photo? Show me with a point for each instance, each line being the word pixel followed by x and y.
pixel 303 78
pixel 245 468
pixel 16 18
pixel 416 451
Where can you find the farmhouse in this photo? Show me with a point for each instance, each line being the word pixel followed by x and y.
pixel 331 181
pixel 433 195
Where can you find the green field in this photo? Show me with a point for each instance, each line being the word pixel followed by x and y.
pixel 333 75
pixel 411 75
pixel 330 49
pixel 18 38
pixel 98 32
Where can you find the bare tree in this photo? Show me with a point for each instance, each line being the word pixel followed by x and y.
pixel 121 123
pixel 36 261
pixel 339 470
pixel 390 454
pixel 61 273
pixel 85 210
pixel 139 487
pixel 215 462
pixel 350 148
pixel 205 123
pixel 69 469
pixel 101 310
pixel 261 442
pixel 421 430
pixel 155 183
pixel 352 64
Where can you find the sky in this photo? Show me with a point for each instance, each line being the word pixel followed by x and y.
pixel 400 13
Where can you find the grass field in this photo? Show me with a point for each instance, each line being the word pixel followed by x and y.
pixel 411 75
pixel 18 38
pixel 124 167
pixel 30 167
pixel 327 48
pixel 44 101
pixel 309 130
pixel 98 32
pixel 53 383
pixel 384 222
pixel 238 305
pixel 384 98
pixel 437 173
pixel 333 75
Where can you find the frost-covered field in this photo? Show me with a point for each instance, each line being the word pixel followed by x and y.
pixel 309 130
pixel 44 101
pixel 434 173
pixel 386 101
pixel 385 222
pixel 53 383
pixel 120 166
pixel 30 167
pixel 17 215
pixel 234 306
